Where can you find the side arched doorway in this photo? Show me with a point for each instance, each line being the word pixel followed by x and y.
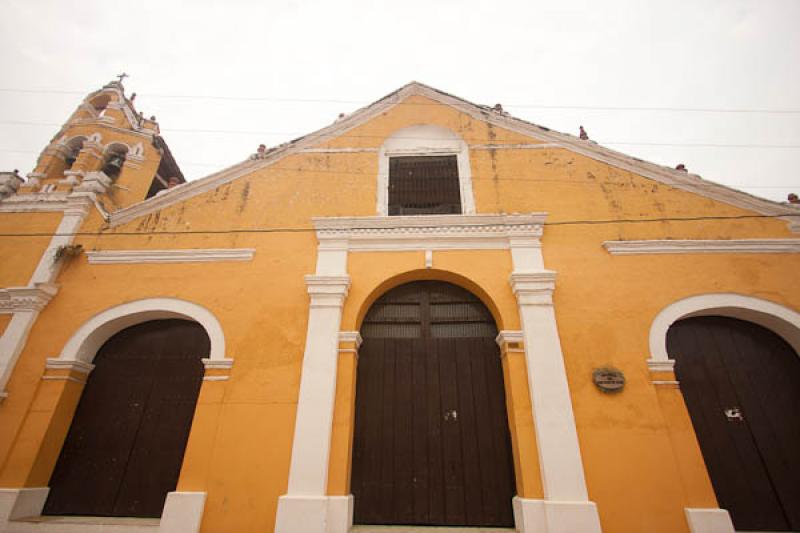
pixel 124 449
pixel 431 443
pixel 741 384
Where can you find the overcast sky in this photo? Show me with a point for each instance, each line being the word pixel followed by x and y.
pixel 305 62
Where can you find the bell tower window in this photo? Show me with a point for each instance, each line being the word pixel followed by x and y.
pixel 113 161
pixel 424 185
pixel 73 150
pixel 100 104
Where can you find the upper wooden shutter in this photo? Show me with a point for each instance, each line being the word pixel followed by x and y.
pixel 424 185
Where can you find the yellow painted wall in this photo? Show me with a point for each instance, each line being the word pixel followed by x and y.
pixel 239 449
pixel 20 255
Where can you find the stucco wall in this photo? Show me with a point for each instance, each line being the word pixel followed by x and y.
pixel 240 442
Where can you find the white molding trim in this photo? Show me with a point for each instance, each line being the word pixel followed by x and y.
pixel 198 255
pixel 64 378
pixel 662 174
pixel 351 336
pixel 21 508
pixel 534 288
pixel 659 365
pixel 733 246
pixel 709 520
pixel 430 232
pixel 327 291
pixel 75 366
pixel 537 146
pixel 217 364
pixel 783 321
pixel 420 140
pixel 85 342
pixel 35 298
pixel 339 150
pixel 508 335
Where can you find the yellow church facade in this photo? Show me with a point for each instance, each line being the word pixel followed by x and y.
pixel 427 313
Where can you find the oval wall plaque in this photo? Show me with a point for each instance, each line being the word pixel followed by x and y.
pixel 608 379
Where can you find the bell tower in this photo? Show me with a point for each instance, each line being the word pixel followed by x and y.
pixel 108 148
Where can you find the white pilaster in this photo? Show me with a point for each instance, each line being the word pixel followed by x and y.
pixel 77 208
pixel 16 334
pixel 305 506
pixel 25 304
pixel 566 506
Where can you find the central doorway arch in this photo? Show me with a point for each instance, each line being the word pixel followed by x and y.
pixel 431 442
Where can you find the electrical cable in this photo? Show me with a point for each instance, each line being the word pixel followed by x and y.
pixel 475 141
pixel 670 109
pixel 310 229
pixel 474 177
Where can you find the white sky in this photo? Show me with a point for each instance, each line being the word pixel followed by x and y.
pixel 695 54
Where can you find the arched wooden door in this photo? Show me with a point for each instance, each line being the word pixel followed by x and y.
pixel 124 449
pixel 741 384
pixel 431 441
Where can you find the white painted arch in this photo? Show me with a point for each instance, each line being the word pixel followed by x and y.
pixel 782 320
pixel 420 140
pixel 85 343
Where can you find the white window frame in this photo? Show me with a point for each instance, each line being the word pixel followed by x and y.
pixel 425 140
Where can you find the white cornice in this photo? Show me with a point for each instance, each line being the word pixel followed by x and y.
pixel 733 246
pixel 666 175
pixel 205 255
pixel 34 202
pixel 14 299
pixel 427 232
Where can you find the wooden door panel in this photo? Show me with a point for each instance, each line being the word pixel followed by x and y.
pixel 430 359
pixel 431 435
pixel 725 363
pixel 125 446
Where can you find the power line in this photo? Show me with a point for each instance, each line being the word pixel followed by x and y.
pixel 346 136
pixel 311 229
pixel 670 109
pixel 222 166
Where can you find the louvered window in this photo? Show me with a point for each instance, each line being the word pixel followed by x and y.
pixel 428 309
pixel 424 185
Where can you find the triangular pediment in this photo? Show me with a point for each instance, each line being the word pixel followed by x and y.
pixel 666 175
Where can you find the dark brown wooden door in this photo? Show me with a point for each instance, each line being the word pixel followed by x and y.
pixel 741 384
pixel 431 441
pixel 124 450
